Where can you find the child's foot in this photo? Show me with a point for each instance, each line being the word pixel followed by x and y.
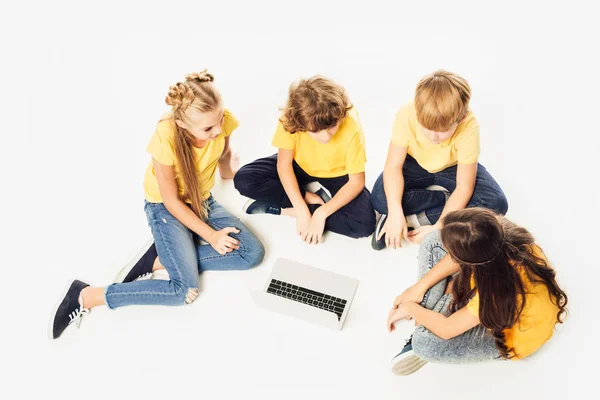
pixel 313 198
pixel 140 267
pixel 407 362
pixel 260 207
pixel 379 244
pixel 69 310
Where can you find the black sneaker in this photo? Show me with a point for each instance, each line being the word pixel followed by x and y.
pixel 260 207
pixel 69 310
pixel 407 362
pixel 140 267
pixel 379 244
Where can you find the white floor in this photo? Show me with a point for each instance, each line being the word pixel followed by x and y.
pixel 84 85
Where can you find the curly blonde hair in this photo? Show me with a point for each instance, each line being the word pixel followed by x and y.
pixel 441 100
pixel 196 92
pixel 314 104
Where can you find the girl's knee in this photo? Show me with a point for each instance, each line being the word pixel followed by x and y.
pixel 254 254
pixel 424 345
pixel 183 293
pixel 430 242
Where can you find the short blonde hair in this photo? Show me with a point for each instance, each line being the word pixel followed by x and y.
pixel 441 100
pixel 314 104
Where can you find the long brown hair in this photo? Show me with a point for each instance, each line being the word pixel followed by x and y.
pixel 198 92
pixel 488 248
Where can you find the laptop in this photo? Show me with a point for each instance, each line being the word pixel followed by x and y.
pixel 307 293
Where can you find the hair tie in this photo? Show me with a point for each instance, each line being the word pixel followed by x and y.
pixel 500 248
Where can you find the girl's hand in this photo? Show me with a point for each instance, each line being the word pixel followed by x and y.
pixel 418 234
pixel 227 170
pixel 396 314
pixel 315 228
pixel 394 229
pixel 222 242
pixel 414 293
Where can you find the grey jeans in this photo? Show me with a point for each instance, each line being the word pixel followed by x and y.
pixel 474 345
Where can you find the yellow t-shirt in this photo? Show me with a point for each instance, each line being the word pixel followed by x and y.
pixel 536 323
pixel 162 149
pixel 343 155
pixel 461 148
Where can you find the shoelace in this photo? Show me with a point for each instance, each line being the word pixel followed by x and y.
pixel 77 315
pixel 144 277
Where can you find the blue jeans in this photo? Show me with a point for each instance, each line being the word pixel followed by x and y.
pixel 182 255
pixel 416 199
pixel 476 344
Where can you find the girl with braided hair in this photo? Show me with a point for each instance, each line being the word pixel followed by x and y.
pixel 486 291
pixel 192 232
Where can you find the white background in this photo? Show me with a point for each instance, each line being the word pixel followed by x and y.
pixel 82 87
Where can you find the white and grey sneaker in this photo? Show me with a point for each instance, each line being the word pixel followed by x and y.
pixel 407 362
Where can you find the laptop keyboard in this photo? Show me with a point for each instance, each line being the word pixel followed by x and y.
pixel 307 296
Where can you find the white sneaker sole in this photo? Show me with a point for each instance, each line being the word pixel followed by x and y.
pixel 55 310
pixel 247 204
pixel 125 270
pixel 408 365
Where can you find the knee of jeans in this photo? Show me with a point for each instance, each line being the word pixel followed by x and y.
pixel 378 199
pixel 430 241
pixel 184 294
pixel 239 181
pixel 255 253
pixel 362 227
pixel 424 345
pixel 500 204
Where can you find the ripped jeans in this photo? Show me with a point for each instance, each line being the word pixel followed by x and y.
pixel 183 256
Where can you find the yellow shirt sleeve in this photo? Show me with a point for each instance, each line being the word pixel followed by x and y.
pixel 473 305
pixel 468 149
pixel 161 146
pixel 401 128
pixel 230 123
pixel 356 156
pixel 283 139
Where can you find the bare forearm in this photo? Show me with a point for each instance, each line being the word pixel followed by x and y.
pixel 290 185
pixel 224 164
pixel 458 200
pixel 187 217
pixel 441 270
pixel 434 321
pixel 393 182
pixel 345 195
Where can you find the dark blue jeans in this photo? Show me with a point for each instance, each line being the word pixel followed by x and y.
pixel 416 199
